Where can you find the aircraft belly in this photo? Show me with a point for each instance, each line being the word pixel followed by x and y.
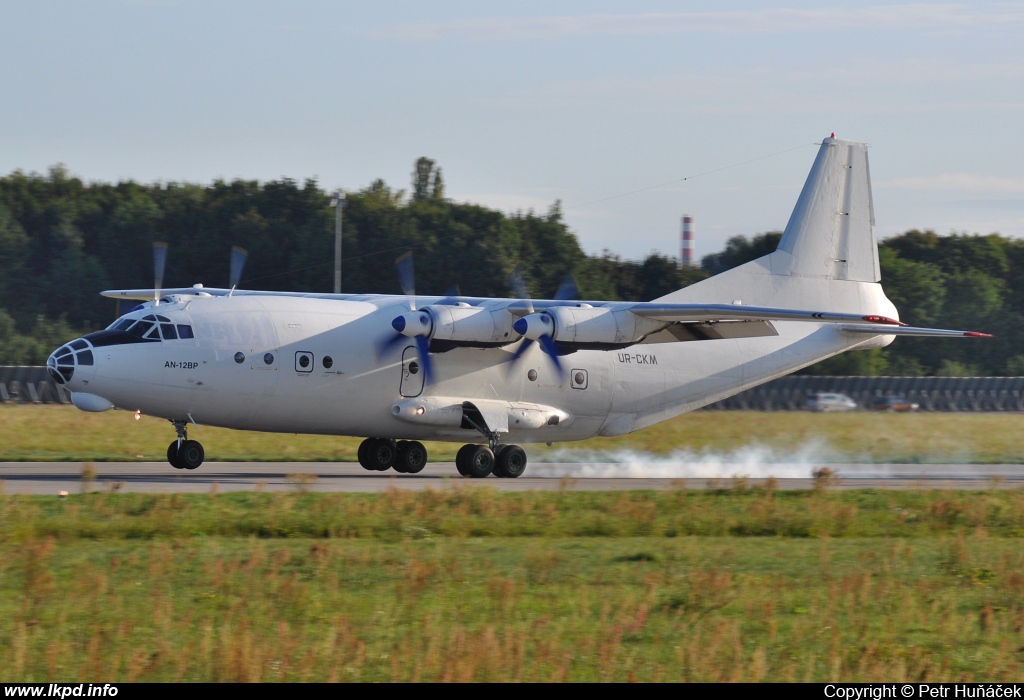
pixel 680 377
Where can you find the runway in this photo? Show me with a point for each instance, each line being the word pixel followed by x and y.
pixel 153 477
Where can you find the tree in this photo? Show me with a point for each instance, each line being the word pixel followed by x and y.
pixel 740 250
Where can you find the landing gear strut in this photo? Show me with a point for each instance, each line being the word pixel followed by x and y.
pixel 184 453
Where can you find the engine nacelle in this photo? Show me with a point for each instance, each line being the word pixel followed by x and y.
pixel 473 324
pixel 587 325
pixel 459 324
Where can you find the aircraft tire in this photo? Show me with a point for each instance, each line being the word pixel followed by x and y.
pixel 172 455
pixel 498 470
pixel 399 463
pixel 411 457
pixel 510 462
pixel 479 461
pixel 460 459
pixel 380 455
pixel 364 448
pixel 191 454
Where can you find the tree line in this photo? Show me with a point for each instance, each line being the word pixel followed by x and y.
pixel 63 240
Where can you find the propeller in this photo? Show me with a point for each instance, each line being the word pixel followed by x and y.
pixel 415 324
pixel 159 263
pixel 536 327
pixel 568 289
pixel 238 258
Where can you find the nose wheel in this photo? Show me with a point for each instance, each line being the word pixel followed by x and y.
pixel 184 453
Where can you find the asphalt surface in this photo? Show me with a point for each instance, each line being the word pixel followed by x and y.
pixel 55 477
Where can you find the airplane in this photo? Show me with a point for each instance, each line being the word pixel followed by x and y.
pixel 488 372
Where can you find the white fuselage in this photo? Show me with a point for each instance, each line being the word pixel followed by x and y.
pixel 201 380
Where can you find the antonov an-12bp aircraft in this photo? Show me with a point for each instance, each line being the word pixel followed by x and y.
pixel 493 372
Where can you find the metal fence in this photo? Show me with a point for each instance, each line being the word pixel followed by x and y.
pixel 931 393
pixel 34 385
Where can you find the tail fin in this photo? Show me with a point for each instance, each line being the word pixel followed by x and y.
pixel 831 233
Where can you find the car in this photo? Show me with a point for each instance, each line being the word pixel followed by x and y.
pixel 826 402
pixel 894 403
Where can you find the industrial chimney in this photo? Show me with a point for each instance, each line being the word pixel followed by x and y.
pixel 688 259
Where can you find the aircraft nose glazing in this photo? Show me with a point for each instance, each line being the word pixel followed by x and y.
pixel 62 363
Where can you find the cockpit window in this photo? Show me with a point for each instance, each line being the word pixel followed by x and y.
pixel 168 332
pixel 122 324
pixel 154 332
pixel 140 328
pixel 185 331
pixel 162 319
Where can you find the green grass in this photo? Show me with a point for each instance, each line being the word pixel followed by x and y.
pixel 56 433
pixel 474 584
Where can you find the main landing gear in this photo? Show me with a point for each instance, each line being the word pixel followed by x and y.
pixel 184 453
pixel 405 456
pixel 475 461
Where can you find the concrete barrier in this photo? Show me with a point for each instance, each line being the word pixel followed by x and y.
pixel 969 394
pixel 19 384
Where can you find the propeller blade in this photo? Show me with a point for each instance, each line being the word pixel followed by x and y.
pixel 523 347
pixel 159 263
pixel 386 345
pixel 238 257
pixel 547 343
pixel 518 285
pixel 568 289
pixel 406 277
pixel 423 348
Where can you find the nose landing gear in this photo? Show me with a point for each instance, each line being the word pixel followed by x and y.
pixel 184 453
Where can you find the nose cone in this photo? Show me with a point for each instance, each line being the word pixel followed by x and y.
pixel 62 364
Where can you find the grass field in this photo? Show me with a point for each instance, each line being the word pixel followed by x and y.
pixel 472 584
pixel 55 433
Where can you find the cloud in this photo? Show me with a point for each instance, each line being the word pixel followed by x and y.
pixel 960 182
pixel 767 21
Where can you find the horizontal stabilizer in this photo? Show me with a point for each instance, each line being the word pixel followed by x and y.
pixel 911 331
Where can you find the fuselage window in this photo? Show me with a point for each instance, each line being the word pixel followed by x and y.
pixel 185 331
pixel 168 332
pixel 328 362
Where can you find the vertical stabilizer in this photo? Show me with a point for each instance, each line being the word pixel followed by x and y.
pixel 831 233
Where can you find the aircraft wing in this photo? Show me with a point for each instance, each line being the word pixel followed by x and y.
pixel 739 312
pixel 911 331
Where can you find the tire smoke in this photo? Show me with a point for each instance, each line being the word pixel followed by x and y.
pixel 752 461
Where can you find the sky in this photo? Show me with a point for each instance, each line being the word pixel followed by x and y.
pixel 605 106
